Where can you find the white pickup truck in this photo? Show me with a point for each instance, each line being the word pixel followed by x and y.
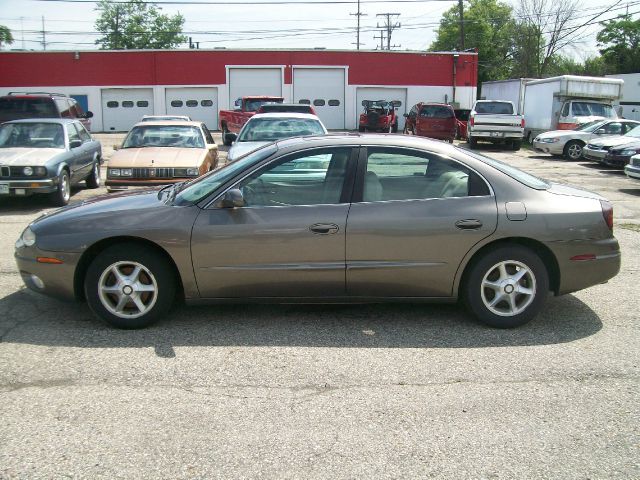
pixel 495 121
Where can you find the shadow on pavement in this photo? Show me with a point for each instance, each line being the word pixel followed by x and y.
pixel 631 191
pixel 29 318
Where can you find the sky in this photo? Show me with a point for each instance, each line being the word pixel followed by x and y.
pixel 70 26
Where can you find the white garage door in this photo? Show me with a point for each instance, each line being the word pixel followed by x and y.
pixel 324 89
pixel 199 103
pixel 254 81
pixel 383 93
pixel 124 107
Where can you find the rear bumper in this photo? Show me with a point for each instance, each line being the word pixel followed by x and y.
pixel 580 274
pixel 493 135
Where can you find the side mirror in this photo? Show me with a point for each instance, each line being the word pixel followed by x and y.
pixel 396 103
pixel 405 115
pixel 238 102
pixel 75 143
pixel 232 137
pixel 233 198
pixel 600 131
pixel 87 114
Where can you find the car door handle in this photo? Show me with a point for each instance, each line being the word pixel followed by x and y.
pixel 468 224
pixel 324 228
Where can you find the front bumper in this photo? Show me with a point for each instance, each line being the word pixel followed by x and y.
pixel 616 161
pixel 23 188
pixel 134 182
pixel 632 171
pixel 58 279
pixel 556 148
pixel 593 155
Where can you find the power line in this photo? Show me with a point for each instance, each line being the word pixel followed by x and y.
pixel 250 2
pixel 390 25
pixel 358 15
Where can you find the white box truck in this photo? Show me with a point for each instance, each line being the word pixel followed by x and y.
pixel 629 104
pixel 563 103
pixel 507 90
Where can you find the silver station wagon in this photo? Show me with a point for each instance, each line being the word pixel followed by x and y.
pixel 336 218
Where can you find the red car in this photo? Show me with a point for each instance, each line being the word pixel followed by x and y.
pixel 434 120
pixel 379 116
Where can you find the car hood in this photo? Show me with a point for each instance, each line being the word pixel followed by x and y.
pixel 632 144
pixel 614 141
pixel 157 157
pixel 27 156
pixel 241 148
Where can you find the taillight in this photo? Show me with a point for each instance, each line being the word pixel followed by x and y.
pixel 607 213
pixel 522 123
pixel 472 121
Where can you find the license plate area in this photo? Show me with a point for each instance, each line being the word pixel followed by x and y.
pixel 496 134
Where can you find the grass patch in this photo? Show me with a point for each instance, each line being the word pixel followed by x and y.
pixel 635 227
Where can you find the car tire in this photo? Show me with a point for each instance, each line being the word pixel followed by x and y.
pixel 394 129
pixel 473 143
pixel 513 275
pixel 129 286
pixel 62 194
pixel 573 150
pixel 515 145
pixel 93 180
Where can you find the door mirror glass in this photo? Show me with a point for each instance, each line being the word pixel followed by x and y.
pixel 232 137
pixel 88 114
pixel 600 131
pixel 75 143
pixel 233 198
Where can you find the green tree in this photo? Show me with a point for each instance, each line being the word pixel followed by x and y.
pixel 620 39
pixel 137 25
pixel 488 27
pixel 5 36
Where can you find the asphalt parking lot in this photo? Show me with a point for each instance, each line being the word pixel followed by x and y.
pixel 363 391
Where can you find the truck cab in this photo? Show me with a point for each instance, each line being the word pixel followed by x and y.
pixel 232 121
pixel 580 111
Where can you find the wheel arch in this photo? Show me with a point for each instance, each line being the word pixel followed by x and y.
pixel 94 250
pixel 545 254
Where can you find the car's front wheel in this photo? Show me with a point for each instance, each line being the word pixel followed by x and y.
pixel 129 286
pixel 506 287
pixel 573 150
pixel 93 180
pixel 63 193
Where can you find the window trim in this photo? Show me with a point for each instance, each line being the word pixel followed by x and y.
pixel 358 190
pixel 346 196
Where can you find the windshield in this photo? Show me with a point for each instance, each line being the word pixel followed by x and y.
pixel 271 129
pixel 592 109
pixel 590 126
pixel 164 136
pixel 436 111
pixel 515 173
pixel 207 184
pixel 31 135
pixel 499 108
pixel 633 133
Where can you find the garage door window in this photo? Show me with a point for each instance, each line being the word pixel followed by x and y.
pixel 192 103
pixel 142 103
pixel 305 101
pixel 334 103
pixel 319 102
pixel 127 104
pixel 206 103
pixel 176 103
pixel 112 104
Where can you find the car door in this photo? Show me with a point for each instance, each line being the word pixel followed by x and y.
pixel 85 152
pixel 414 217
pixel 77 158
pixel 288 240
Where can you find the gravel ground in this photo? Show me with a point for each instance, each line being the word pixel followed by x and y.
pixel 373 391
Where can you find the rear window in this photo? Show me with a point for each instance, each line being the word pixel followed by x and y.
pixel 515 173
pixel 17 108
pixel 499 108
pixel 436 111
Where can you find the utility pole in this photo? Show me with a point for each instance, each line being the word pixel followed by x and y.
pixel 390 25
pixel 44 36
pixel 22 31
pixel 358 15
pixel 116 33
pixel 461 10
pixel 381 37
pixel 194 45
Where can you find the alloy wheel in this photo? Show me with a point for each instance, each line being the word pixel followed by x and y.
pixel 127 289
pixel 508 288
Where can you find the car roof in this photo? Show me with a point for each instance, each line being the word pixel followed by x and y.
pixel 178 123
pixel 309 116
pixel 62 121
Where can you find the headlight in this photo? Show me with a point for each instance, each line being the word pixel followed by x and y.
pixel 40 171
pixel 185 172
pixel 114 172
pixel 126 172
pixel 628 151
pixel 28 237
pixel 192 172
pixel 28 171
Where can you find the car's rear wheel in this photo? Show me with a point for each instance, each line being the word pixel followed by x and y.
pixel 473 143
pixel 361 129
pixel 573 150
pixel 62 195
pixel 129 286
pixel 394 128
pixel 515 145
pixel 93 180
pixel 506 287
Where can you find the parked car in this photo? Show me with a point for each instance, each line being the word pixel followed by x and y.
pixel 434 120
pixel 462 118
pixel 569 143
pixel 232 121
pixel 633 168
pixel 265 128
pixel 495 121
pixel 379 116
pixel 22 105
pixel 160 153
pixel 620 156
pixel 426 221
pixel 165 118
pixel 47 155
pixel 286 107
pixel 596 150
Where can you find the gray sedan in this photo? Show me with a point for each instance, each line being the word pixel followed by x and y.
pixel 47 156
pixel 336 218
